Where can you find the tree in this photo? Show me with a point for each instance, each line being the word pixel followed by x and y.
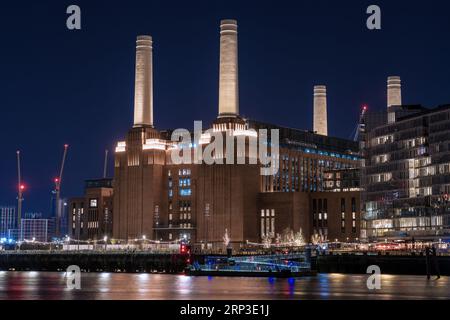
pixel 267 241
pixel 299 240
pixel 226 238
pixel 317 238
pixel 289 238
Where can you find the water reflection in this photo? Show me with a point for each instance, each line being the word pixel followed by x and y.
pixel 44 285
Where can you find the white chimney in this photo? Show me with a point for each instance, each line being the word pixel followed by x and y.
pixel 394 96
pixel 320 110
pixel 143 94
pixel 394 91
pixel 228 79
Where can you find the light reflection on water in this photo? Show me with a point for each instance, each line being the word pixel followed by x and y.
pixel 46 285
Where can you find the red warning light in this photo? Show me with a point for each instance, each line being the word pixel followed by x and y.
pixel 365 107
pixel 22 187
pixel 56 180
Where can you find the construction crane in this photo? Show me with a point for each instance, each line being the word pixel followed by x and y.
pixel 58 181
pixel 105 165
pixel 20 189
pixel 359 125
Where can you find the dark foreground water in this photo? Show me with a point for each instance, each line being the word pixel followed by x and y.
pixel 46 285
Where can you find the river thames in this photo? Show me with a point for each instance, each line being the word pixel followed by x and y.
pixel 121 286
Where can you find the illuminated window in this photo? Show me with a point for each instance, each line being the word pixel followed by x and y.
pixel 267 222
pixel 93 203
pixel 185 192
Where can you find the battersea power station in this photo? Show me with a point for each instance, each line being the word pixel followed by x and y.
pixel 313 184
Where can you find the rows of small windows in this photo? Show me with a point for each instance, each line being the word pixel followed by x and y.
pixel 184 183
pixel 77 214
pixel 301 174
pixel 182 235
pixel 185 213
pixel 92 224
pixel 184 172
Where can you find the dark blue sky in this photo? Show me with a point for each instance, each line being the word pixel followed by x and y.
pixel 59 86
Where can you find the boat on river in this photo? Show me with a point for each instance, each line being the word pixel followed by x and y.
pixel 276 265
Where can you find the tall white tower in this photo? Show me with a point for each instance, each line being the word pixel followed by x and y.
pixel 143 94
pixel 320 110
pixel 394 96
pixel 394 91
pixel 228 78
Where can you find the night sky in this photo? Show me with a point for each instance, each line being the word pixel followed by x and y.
pixel 59 86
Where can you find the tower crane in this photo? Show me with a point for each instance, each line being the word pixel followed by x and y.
pixel 58 181
pixel 359 125
pixel 20 189
pixel 105 165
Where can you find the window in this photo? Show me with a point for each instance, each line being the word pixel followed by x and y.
pixel 184 182
pixel 185 192
pixel 263 229
pixel 314 213
pixel 267 222
pixel 93 203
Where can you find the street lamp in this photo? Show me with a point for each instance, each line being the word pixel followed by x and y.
pixel 105 238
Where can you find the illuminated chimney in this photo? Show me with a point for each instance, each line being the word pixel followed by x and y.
pixel 143 94
pixel 320 110
pixel 228 79
pixel 394 96
pixel 394 91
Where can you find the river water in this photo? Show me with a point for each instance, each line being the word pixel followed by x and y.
pixel 121 286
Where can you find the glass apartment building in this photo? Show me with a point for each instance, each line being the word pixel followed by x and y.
pixel 406 174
